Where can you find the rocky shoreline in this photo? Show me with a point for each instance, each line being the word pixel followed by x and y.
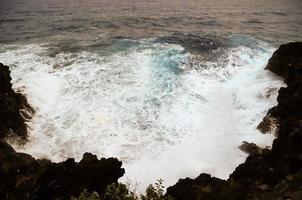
pixel 266 174
pixel 23 177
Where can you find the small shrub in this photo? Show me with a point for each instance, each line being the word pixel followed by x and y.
pixel 119 191
pixel 155 192
pixel 85 195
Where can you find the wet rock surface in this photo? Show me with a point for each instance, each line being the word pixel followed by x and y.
pixel 269 124
pixel 266 174
pixel 23 177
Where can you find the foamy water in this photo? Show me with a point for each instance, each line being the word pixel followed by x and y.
pixel 147 106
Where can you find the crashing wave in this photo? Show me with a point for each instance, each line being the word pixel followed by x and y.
pixel 164 112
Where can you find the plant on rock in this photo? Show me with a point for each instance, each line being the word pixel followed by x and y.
pixel 119 191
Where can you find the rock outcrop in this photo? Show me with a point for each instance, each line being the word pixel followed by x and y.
pixel 266 174
pixel 23 177
pixel 14 109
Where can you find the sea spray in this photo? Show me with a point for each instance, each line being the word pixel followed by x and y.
pixel 146 105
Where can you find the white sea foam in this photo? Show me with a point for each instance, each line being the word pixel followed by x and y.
pixel 137 105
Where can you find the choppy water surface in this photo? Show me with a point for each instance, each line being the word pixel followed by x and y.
pixel 81 21
pixel 171 88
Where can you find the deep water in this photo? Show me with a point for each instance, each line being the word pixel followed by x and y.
pixel 171 88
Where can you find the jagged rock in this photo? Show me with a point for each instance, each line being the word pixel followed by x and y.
pixel 23 177
pixel 286 60
pixel 269 124
pixel 204 187
pixel 11 105
pixel 252 149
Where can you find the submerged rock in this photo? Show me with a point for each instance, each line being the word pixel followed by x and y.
pixel 193 43
pixel 23 177
pixel 265 174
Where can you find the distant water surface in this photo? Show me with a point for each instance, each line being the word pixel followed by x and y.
pixel 70 21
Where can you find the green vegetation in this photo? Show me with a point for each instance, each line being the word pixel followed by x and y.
pixel 119 191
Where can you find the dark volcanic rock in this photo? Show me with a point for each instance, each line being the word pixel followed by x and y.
pixel 204 187
pixel 14 109
pixel 252 149
pixel 23 177
pixel 269 124
pixel 70 178
pixel 266 174
pixel 287 60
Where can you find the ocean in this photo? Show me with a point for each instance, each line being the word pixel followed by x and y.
pixel 171 88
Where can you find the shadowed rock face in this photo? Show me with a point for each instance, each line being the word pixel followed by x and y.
pixel 13 108
pixel 274 174
pixel 23 177
pixel 287 60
